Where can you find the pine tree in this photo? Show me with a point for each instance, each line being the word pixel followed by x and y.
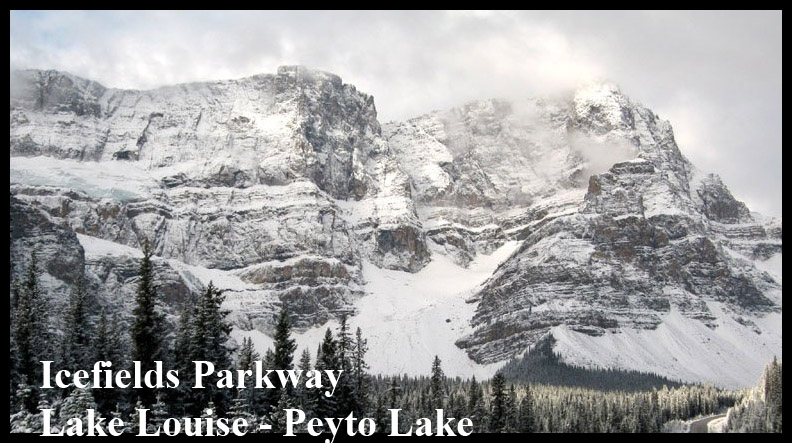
pixel 210 411
pixel 773 396
pixel 118 345
pixel 240 409
pixel 101 343
pixel 30 329
pixel 393 400
pixel 158 413
pixel 118 413
pixel 246 361
pixel 477 411
pixel 526 413
pixel 106 399
pixel 278 414
pixel 78 331
pixel 381 415
pixel 511 411
pixel 344 393
pixel 284 343
pixel 451 405
pixel 361 377
pixel 436 388
pixel 25 394
pixel 498 410
pixel 38 419
pixel 132 426
pixel 148 328
pixel 247 355
pixel 283 355
pixel 181 399
pixel 304 398
pixel 108 346
pixel 25 422
pixel 208 343
pixel 76 406
pixel 327 360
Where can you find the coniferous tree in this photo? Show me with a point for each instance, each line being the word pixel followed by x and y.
pixel 526 414
pixel 30 329
pixel 181 399
pixel 361 377
pixel 148 329
pixel 327 360
pixel 278 413
pixel 24 396
pixel 344 394
pixel 247 355
pixel 105 349
pixel 304 398
pixel 394 400
pixel 436 386
pixel 43 403
pixel 240 409
pixel 269 358
pixel 75 343
pixel 118 413
pixel 158 413
pixel 210 333
pixel 246 361
pixel 118 344
pixel 132 426
pixel 283 354
pixel 511 411
pixel 76 405
pixel 773 396
pixel 477 411
pixel 284 344
pixel 209 411
pixel 381 415
pixel 498 410
pixel 101 343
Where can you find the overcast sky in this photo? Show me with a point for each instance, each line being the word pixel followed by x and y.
pixel 715 75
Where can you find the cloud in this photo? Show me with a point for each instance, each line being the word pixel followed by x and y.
pixel 715 75
pixel 600 154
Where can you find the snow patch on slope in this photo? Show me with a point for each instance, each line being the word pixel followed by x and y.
pixel 409 318
pixel 681 347
pixel 98 247
pixel 119 180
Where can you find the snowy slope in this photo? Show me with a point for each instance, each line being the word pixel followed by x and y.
pixel 729 355
pixel 408 318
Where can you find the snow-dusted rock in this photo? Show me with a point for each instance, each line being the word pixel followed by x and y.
pixel 221 175
pixel 648 237
pixel 574 214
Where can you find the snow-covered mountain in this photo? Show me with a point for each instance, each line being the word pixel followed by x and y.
pixel 468 233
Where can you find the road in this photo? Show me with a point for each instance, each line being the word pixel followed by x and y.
pixel 700 426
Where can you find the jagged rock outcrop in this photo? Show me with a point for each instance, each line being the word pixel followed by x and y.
pixel 59 255
pixel 648 237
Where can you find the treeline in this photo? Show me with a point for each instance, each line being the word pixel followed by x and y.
pixel 542 365
pixel 499 406
pixel 202 333
pixel 761 409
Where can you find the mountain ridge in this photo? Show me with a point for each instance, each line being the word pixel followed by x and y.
pixel 286 185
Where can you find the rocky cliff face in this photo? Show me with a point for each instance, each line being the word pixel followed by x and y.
pixel 286 173
pixel 280 188
pixel 650 235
